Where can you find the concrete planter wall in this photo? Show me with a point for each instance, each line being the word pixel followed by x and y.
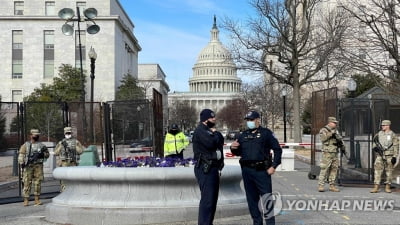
pixel 138 195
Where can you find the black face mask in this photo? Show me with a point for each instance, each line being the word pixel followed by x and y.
pixel 173 132
pixel 35 138
pixel 210 124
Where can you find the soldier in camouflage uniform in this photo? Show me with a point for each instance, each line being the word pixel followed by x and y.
pixel 329 164
pixel 68 151
pixel 386 146
pixel 31 156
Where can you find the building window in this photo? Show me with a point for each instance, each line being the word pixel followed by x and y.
pixel 17 54
pixel 48 49
pixel 50 8
pixel 19 8
pixel 83 46
pixel 16 96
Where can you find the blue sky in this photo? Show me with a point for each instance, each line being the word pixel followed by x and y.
pixel 173 32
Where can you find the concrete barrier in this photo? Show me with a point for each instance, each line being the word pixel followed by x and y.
pixel 139 195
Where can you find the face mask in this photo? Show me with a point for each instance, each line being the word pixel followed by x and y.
pixel 68 136
pixel 210 124
pixel 251 124
pixel 35 138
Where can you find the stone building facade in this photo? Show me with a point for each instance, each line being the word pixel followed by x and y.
pixel 33 46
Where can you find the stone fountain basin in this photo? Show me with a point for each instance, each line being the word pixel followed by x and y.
pixel 139 195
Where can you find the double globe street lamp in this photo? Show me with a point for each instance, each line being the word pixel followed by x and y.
pixel 68 29
pixel 92 28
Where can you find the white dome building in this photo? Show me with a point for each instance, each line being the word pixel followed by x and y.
pixel 215 82
pixel 214 70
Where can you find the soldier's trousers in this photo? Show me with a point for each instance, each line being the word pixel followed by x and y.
pixel 380 166
pixel 329 167
pixel 33 175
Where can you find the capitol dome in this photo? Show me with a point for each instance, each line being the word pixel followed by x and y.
pixel 215 70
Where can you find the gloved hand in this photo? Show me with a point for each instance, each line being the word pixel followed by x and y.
pixel 393 160
pixel 376 149
pixel 343 150
pixel 334 135
pixel 218 154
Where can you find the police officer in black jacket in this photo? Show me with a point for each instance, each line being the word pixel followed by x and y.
pixel 208 148
pixel 254 146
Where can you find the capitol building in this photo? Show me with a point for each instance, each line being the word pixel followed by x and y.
pixel 214 83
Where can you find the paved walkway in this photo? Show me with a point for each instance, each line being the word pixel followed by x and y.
pixel 293 187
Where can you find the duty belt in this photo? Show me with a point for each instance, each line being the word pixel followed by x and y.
pixel 251 164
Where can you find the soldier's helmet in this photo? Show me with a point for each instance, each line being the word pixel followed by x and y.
pixel 332 119
pixel 67 130
pixel 35 132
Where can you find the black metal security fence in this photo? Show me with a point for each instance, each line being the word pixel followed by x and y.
pixel 359 119
pixel 117 128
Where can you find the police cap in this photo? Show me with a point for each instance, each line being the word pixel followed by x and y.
pixel 252 115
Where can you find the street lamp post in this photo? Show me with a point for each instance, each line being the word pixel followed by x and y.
pixel 67 29
pixel 68 15
pixel 284 93
pixel 92 56
pixel 351 87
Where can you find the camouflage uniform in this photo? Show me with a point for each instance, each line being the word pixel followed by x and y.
pixel 386 139
pixel 68 151
pixel 33 172
pixel 329 162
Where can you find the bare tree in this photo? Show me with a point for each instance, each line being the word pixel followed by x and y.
pixel 374 47
pixel 232 114
pixel 264 96
pixel 183 114
pixel 292 35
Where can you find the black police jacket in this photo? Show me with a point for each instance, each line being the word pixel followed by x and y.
pixel 257 146
pixel 206 143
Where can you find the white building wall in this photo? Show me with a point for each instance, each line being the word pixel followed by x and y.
pixel 115 44
pixel 152 76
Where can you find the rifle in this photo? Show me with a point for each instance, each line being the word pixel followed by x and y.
pixel 68 152
pixel 379 148
pixel 33 158
pixel 340 146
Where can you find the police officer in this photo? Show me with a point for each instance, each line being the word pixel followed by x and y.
pixel 207 148
pixel 31 157
pixel 68 151
pixel 386 146
pixel 329 164
pixel 175 142
pixel 254 146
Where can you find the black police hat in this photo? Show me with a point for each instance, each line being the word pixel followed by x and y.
pixel 174 126
pixel 252 115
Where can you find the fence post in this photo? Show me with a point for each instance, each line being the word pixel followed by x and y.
pixel 15 163
pixel 358 156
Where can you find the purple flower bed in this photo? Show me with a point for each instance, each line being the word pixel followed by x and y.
pixel 148 161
